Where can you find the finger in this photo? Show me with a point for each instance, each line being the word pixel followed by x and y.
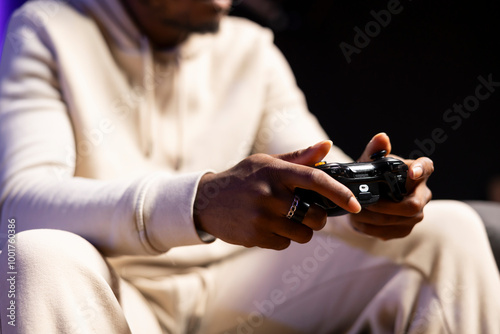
pixel 291 230
pixel 385 220
pixel 316 218
pixel 410 206
pixel 418 171
pixel 308 156
pixel 378 143
pixel 382 232
pixel 294 176
pixel 279 224
pixel 421 168
pixel 274 241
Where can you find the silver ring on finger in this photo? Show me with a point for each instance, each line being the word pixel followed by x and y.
pixel 298 210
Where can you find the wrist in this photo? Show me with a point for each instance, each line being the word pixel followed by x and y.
pixel 204 195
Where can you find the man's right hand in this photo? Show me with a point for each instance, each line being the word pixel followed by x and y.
pixel 248 203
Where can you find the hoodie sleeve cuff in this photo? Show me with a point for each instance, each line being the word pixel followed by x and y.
pixel 167 212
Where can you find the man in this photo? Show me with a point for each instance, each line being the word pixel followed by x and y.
pixel 129 186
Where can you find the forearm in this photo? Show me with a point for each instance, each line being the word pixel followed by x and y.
pixel 118 217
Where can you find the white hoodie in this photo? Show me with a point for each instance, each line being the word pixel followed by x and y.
pixel 102 136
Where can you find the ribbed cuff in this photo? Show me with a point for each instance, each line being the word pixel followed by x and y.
pixel 165 212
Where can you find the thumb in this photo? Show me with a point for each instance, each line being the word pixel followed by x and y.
pixel 308 156
pixel 378 143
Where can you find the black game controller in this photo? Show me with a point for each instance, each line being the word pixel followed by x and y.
pixel 384 177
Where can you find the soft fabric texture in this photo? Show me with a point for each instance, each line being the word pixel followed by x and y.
pixel 103 141
pixel 95 121
pixel 489 212
pixel 440 279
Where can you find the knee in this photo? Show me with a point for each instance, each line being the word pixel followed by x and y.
pixel 451 231
pixel 449 220
pixel 47 251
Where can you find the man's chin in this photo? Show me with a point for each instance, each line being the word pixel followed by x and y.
pixel 203 28
pixel 208 28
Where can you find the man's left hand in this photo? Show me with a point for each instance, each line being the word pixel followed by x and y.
pixel 386 219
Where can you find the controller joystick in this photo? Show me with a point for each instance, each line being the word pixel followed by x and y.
pixel 378 155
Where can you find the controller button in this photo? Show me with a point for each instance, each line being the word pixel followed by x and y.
pixel 321 163
pixel 364 188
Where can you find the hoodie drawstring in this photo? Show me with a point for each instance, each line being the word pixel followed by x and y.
pixel 148 107
pixel 147 103
pixel 181 108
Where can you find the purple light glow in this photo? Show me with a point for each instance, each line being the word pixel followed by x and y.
pixel 6 9
pixel 3 24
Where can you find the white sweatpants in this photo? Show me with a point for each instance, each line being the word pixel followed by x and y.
pixel 440 279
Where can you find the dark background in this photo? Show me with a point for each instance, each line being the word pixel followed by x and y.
pixel 425 60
